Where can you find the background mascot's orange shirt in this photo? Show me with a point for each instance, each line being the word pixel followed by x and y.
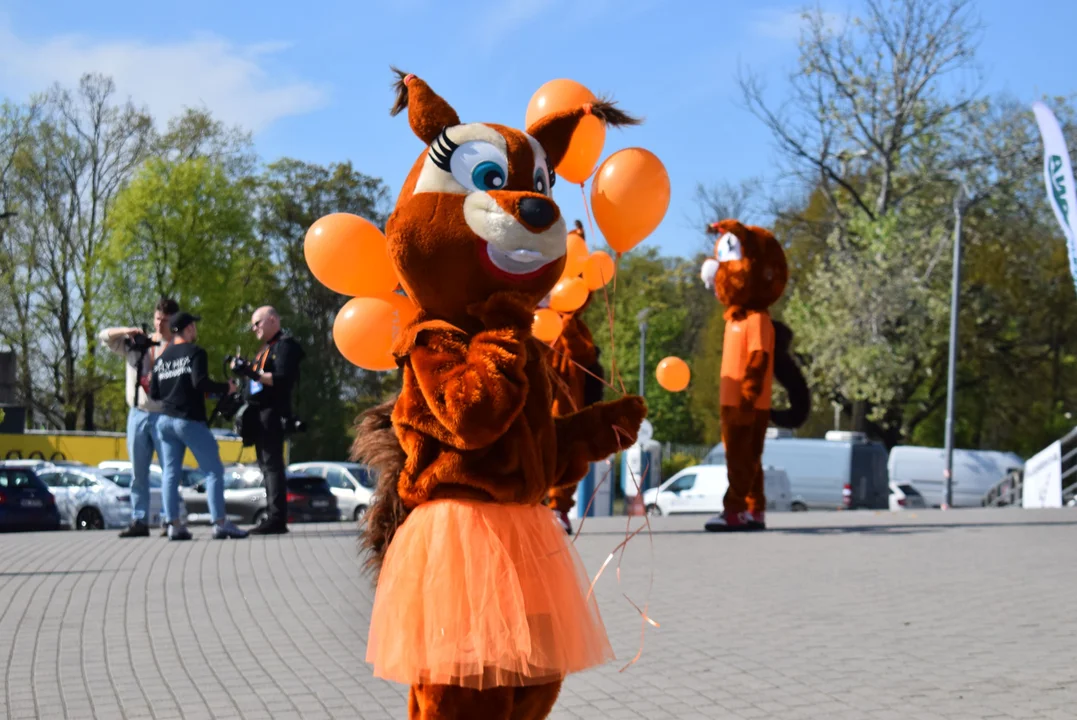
pixel 755 332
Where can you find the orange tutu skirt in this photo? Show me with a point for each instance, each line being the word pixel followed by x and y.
pixel 483 595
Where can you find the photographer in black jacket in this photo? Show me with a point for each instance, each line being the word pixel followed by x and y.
pixel 273 376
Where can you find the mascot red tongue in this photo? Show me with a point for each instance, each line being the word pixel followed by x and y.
pixel 481 603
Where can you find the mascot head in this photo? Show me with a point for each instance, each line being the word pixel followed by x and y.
pixel 751 270
pixel 475 215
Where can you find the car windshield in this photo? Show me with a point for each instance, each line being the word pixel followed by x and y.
pixel 16 479
pixel 909 490
pixel 305 483
pixel 360 473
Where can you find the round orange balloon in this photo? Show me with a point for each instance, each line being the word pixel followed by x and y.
pixel 599 270
pixel 673 374
pixel 576 255
pixel 630 196
pixel 366 328
pixel 547 326
pixel 586 145
pixel 348 255
pixel 568 295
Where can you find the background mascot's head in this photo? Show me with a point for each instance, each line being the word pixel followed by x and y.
pixel 750 272
pixel 475 215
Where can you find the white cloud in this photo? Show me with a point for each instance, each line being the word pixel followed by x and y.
pixel 778 24
pixel 206 71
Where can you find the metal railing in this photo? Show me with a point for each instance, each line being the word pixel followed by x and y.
pixel 1008 491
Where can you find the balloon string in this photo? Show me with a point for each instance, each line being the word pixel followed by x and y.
pixel 614 372
pixel 586 209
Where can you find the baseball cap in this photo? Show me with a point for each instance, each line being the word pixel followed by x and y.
pixel 181 320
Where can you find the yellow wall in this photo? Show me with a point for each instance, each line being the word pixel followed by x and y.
pixel 95 448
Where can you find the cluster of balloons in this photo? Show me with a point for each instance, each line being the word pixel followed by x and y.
pixel 348 255
pixel 629 197
pixel 584 273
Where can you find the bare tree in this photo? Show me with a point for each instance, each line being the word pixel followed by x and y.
pixel 85 148
pixel 743 201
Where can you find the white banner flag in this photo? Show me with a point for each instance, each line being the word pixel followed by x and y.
pixel 1058 174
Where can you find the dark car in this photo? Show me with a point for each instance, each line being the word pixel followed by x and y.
pixel 309 498
pixel 25 501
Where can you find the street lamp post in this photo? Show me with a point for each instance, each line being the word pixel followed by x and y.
pixel 641 317
pixel 960 205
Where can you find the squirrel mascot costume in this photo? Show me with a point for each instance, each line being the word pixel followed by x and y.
pixel 482 602
pixel 577 383
pixel 749 275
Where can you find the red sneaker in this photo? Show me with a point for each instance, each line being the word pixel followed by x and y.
pixel 758 520
pixel 730 522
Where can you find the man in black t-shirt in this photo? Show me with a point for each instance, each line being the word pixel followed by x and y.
pixel 181 382
pixel 273 376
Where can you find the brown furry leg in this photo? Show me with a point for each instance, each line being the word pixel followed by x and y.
pixel 535 702
pixel 739 459
pixel 450 702
pixel 757 499
pixel 561 498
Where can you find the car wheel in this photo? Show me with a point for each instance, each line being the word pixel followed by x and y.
pixel 798 507
pixel 360 511
pixel 260 517
pixel 653 510
pixel 89 519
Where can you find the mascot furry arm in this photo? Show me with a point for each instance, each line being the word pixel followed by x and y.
pixel 477 243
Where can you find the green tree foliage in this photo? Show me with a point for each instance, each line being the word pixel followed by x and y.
pixel 292 195
pixel 183 229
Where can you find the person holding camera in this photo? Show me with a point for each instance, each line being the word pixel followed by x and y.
pixel 139 351
pixel 272 377
pixel 181 382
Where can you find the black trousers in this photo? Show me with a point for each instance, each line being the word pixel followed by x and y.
pixel 270 448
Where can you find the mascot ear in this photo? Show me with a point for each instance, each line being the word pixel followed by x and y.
pixel 428 113
pixel 728 225
pixel 554 132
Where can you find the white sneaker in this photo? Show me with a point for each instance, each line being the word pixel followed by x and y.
pixel 178 532
pixel 227 530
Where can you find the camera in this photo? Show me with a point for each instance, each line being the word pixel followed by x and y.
pixel 140 343
pixel 238 366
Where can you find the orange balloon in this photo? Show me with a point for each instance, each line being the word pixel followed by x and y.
pixel 366 328
pixel 547 326
pixel 576 255
pixel 586 145
pixel 599 270
pixel 348 255
pixel 673 374
pixel 568 295
pixel 630 196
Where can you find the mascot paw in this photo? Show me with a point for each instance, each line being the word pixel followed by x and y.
pixel 626 414
pixel 708 271
pixel 505 309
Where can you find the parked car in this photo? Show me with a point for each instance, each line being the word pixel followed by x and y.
pixel 351 483
pixel 25 501
pixel 191 476
pixel 309 498
pixel 975 472
pixel 702 488
pixel 96 498
pixel 844 470
pixel 905 497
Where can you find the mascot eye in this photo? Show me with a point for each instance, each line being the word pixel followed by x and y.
pixel 541 185
pixel 479 166
pixel 729 248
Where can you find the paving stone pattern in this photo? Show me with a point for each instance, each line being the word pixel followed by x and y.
pixel 964 614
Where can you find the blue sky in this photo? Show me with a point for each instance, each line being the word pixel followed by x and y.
pixel 312 79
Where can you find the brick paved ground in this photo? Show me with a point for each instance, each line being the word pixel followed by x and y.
pixel 968 614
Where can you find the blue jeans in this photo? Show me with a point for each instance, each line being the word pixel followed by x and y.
pixel 177 436
pixel 142 441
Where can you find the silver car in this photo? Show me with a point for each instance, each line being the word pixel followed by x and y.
pixel 351 483
pixel 94 499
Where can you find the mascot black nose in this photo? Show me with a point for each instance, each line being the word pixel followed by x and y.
pixel 537 212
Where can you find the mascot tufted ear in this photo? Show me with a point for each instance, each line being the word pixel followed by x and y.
pixel 728 225
pixel 554 132
pixel 428 113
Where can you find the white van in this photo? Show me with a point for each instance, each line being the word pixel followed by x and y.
pixel 975 472
pixel 701 489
